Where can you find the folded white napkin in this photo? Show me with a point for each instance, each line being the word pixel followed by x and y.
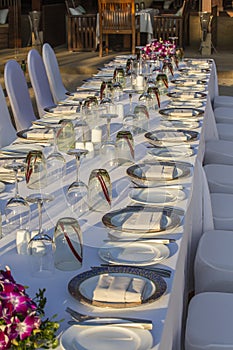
pixel 143 220
pixel 182 114
pixel 7 175
pixel 171 136
pixel 157 171
pixel 40 133
pixel 118 289
pixel 65 109
pixel 186 95
pixel 189 83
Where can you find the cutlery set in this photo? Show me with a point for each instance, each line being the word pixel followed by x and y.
pixel 85 320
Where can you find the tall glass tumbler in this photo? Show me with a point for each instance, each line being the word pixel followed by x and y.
pixel 68 255
pixel 99 190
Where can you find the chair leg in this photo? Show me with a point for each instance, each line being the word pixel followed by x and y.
pixel 133 43
pixel 101 46
pixel 106 43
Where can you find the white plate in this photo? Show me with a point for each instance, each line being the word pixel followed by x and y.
pixel 181 124
pixel 2 186
pixel 171 153
pixel 105 338
pixel 156 195
pixel 134 253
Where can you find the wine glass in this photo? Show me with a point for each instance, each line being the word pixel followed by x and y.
pixel 108 146
pixel 41 246
pixel 99 190
pixel 17 210
pixel 56 163
pixel 36 170
pixel 129 119
pixel 142 118
pixel 77 191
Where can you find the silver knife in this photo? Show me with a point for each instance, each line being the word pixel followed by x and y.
pixel 114 322
pixel 144 240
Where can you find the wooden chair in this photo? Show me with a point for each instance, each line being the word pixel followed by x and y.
pixel 168 25
pixel 81 29
pixel 117 17
pixel 10 32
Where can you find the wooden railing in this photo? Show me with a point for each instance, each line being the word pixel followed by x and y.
pixel 10 33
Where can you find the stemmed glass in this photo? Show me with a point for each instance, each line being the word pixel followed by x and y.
pixel 77 191
pixel 17 210
pixel 108 146
pixel 41 246
pixel 56 163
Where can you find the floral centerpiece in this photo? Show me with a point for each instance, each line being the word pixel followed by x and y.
pixel 22 321
pixel 158 49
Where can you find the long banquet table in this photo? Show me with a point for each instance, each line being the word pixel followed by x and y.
pixel 168 311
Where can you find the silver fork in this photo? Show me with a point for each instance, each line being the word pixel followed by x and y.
pixel 81 317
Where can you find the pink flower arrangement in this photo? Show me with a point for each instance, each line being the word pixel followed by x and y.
pixel 21 318
pixel 158 49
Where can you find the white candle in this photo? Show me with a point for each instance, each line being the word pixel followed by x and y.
pixel 140 81
pixel 96 135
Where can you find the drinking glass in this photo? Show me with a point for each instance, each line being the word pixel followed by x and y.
pixel 17 210
pixel 65 135
pixel 56 163
pixel 36 170
pixel 142 118
pixel 77 191
pixel 147 99
pixel 41 247
pixel 119 75
pixel 68 255
pixel 108 146
pixel 162 83
pixel 153 90
pixel 99 190
pixel 124 147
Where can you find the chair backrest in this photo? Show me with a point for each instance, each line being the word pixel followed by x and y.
pixel 18 94
pixel 39 81
pixel 116 16
pixel 53 73
pixel 7 130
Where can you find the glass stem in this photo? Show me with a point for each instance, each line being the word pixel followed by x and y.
pixel 77 167
pixel 16 183
pixel 108 129
pixel 40 203
pixel 55 140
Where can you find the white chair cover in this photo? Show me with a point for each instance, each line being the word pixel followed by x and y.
pixel 7 130
pixel 223 115
pixel 223 101
pixel 209 322
pixel 222 208
pixel 213 267
pixel 17 91
pixel 218 152
pixel 225 131
pixel 53 73
pixel 39 80
pixel 219 177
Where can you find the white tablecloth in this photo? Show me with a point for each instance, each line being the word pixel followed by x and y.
pixel 167 312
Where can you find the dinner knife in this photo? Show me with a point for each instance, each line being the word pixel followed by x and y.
pixel 144 240
pixel 114 322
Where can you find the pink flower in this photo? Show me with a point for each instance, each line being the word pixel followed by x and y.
pixel 23 329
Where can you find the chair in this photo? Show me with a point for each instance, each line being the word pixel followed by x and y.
pixel 213 267
pixel 18 94
pixel 58 90
pixel 209 322
pixel 39 81
pixel 81 28
pixel 7 130
pixel 117 17
pixel 169 25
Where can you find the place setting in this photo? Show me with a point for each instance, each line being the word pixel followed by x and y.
pixel 169 137
pixel 187 113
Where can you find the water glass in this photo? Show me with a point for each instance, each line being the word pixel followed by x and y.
pixel 36 170
pixel 99 190
pixel 124 147
pixel 68 255
pixel 66 136
pixel 41 250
